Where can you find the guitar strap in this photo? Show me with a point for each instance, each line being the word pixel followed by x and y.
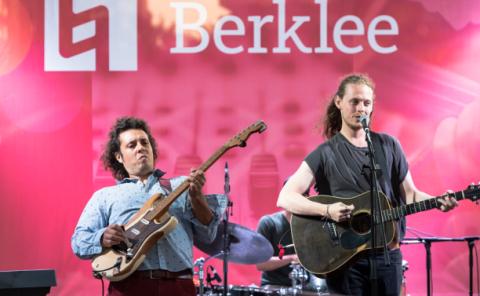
pixel 165 184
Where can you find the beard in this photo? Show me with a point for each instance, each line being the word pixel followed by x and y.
pixel 353 126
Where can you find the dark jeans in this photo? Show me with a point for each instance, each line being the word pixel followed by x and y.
pixel 134 286
pixel 354 279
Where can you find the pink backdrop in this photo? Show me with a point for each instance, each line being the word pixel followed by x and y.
pixel 53 124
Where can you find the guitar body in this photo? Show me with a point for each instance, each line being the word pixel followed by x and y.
pixel 323 246
pixel 114 264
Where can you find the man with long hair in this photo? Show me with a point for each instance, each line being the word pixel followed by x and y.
pixel 337 167
pixel 130 155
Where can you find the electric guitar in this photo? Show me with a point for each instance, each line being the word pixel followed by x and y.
pixel 323 245
pixel 152 222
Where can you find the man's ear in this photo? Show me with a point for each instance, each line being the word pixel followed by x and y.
pixel 119 158
pixel 337 101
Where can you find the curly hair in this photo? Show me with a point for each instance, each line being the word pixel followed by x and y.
pixel 332 121
pixel 113 145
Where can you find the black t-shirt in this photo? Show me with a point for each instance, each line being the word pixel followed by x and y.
pixel 338 165
pixel 276 229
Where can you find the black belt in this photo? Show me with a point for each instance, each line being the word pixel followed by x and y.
pixel 155 274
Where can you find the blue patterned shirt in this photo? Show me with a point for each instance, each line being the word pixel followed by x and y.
pixel 117 204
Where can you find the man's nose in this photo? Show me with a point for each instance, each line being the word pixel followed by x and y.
pixel 361 108
pixel 139 148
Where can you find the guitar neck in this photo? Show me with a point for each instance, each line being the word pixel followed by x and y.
pixel 416 207
pixel 168 201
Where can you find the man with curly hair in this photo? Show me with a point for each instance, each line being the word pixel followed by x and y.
pixel 130 155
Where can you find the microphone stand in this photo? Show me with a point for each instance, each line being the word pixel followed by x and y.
pixel 199 263
pixel 226 235
pixel 375 210
pixel 427 242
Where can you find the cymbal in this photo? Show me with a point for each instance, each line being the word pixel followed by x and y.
pixel 246 246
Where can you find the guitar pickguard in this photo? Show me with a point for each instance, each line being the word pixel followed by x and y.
pixel 332 231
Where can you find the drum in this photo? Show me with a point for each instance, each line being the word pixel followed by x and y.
pixel 235 290
pixel 249 291
pixel 288 291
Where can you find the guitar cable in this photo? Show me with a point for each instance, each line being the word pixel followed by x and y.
pixel 97 274
pixel 103 286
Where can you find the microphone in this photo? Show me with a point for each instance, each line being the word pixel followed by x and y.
pixel 227 180
pixel 365 121
pixel 216 277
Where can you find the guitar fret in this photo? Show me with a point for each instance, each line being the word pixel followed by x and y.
pixel 428 204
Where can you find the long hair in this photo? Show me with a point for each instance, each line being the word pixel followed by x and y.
pixel 113 145
pixel 332 121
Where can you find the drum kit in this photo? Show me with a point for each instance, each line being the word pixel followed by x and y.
pixel 239 244
pixel 247 247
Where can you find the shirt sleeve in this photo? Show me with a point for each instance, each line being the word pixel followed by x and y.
pixel 399 160
pixel 90 227
pixel 313 160
pixel 265 228
pixel 206 233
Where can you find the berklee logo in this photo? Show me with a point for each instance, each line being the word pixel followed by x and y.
pixel 70 30
pixel 75 28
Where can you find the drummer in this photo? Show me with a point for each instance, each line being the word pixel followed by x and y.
pixel 275 272
pixel 276 229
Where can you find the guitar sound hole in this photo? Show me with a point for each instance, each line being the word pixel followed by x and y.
pixel 360 223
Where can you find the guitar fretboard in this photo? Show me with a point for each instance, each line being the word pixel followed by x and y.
pixel 424 205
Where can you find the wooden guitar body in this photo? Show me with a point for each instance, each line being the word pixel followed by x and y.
pixel 116 264
pixel 323 246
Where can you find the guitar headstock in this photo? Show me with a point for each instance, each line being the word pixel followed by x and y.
pixel 241 138
pixel 472 192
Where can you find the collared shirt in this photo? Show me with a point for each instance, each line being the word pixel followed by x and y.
pixel 117 204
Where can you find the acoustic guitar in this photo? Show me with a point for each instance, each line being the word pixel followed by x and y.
pixel 152 222
pixel 323 245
